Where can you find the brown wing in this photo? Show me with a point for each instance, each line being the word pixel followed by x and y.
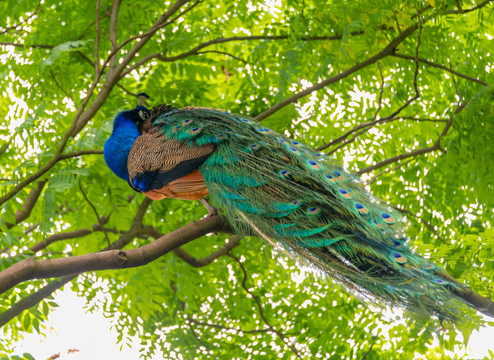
pixel 165 164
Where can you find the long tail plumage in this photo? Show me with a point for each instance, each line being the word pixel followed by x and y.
pixel 267 185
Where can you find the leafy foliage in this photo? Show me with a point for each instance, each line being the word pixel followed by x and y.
pixel 247 57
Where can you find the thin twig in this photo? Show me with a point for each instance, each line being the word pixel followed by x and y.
pixel 260 308
pixel 369 125
pixel 158 25
pixel 62 89
pixel 427 224
pixel 224 53
pixel 422 151
pixel 461 11
pixel 388 170
pixel 80 153
pixel 126 90
pixel 226 328
pixel 381 91
pixel 439 66
pixel 368 352
pixel 196 50
pixel 6 30
pixel 100 222
pixel 5 146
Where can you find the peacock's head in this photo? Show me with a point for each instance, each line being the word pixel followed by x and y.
pixel 140 113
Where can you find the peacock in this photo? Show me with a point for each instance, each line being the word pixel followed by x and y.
pixel 265 184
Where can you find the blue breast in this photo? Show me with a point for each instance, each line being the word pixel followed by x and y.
pixel 117 147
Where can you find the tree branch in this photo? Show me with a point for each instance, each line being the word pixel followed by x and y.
pixel 196 50
pixel 22 22
pixel 388 170
pixel 226 328
pixel 80 153
pixel 260 308
pixel 436 146
pixel 62 89
pixel 439 66
pixel 461 11
pixel 34 298
pixel 96 45
pixel 71 235
pixel 388 50
pixel 160 23
pixel 126 90
pixel 83 115
pixel 113 22
pixel 46 291
pixel 39 46
pixel 28 205
pixel 112 259
pixel 368 352
pixel 5 146
pixel 224 250
pixel 189 259
pixel 223 53
pixel 100 222
pixel 427 224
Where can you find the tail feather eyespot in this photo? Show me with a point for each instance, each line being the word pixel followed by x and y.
pixel 398 257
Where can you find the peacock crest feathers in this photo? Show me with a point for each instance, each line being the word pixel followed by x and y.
pixel 266 184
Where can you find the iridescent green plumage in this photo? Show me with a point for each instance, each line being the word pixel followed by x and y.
pixel 265 184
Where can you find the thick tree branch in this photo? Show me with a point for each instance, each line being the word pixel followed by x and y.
pixel 46 291
pixel 112 259
pixel 113 31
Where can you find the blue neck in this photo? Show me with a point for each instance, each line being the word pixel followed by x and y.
pixel 117 147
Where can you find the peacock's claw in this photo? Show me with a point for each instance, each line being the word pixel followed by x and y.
pixel 211 210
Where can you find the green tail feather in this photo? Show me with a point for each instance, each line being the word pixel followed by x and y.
pixel 265 184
